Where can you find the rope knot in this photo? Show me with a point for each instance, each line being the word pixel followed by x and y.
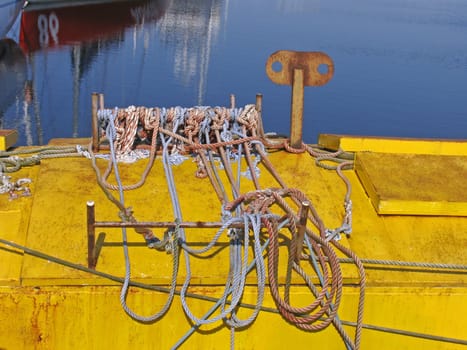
pixel 219 117
pixel 127 215
pixel 249 117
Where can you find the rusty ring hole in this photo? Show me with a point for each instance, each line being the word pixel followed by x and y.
pixel 276 66
pixel 323 68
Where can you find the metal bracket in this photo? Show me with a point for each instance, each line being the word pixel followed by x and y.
pixel 95 246
pixel 301 228
pixel 299 69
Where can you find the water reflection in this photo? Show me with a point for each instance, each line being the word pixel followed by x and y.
pixel 191 27
pixel 85 34
pixel 186 29
pixel 401 66
pixel 85 25
pixel 13 69
pixel 298 6
pixel 13 74
pixel 9 10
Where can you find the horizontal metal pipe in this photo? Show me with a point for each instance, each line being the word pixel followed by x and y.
pixel 166 224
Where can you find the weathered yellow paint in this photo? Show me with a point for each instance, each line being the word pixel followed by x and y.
pixel 10 222
pixel 7 139
pixel 44 305
pixel 14 220
pixel 414 184
pixel 394 145
pixel 92 318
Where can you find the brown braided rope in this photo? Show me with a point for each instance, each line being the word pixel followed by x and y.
pixel 327 300
pixel 155 120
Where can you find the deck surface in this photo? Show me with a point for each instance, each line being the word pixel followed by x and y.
pixel 53 219
pixel 37 296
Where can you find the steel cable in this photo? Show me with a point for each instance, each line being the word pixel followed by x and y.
pixel 126 283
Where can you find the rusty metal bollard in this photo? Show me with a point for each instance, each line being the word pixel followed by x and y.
pixel 299 69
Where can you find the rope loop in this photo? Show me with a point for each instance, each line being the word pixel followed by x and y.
pixel 291 149
pixel 322 311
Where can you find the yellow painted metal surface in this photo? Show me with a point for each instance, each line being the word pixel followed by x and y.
pixel 91 318
pixel 393 145
pixel 7 139
pixel 14 221
pixel 414 184
pixel 44 305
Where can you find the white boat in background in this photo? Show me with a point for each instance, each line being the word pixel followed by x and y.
pixel 9 11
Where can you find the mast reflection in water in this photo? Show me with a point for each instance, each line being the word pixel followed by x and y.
pixel 401 68
pixel 13 73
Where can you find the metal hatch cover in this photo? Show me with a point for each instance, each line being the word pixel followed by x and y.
pixel 414 184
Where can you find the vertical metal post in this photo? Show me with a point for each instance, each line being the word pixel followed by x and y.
pixel 296 117
pixel 301 227
pixel 259 108
pixel 232 101
pixel 298 69
pixel 100 107
pixel 94 122
pixel 101 101
pixel 91 235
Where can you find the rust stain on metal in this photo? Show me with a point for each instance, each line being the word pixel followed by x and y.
pixel 317 67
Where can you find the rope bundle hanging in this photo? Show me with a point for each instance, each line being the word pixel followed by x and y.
pixel 196 127
pixel 231 134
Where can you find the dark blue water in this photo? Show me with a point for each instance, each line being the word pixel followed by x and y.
pixel 400 65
